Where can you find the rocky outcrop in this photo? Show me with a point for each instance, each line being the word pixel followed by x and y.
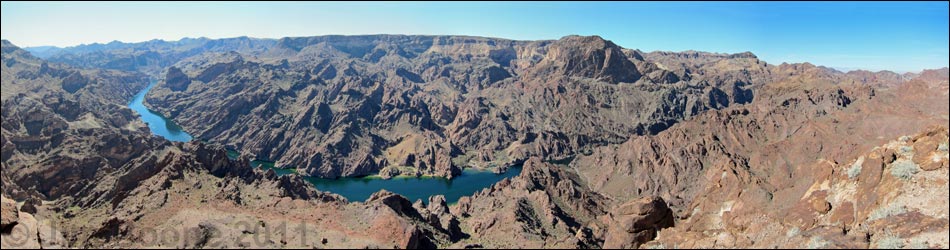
pixel 74 82
pixel 637 222
pixel 21 230
pixel 589 57
pixel 436 213
pixel 176 80
pixel 9 213
pixel 547 206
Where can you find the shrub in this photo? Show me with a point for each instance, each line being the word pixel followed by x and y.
pixel 918 244
pixel 907 150
pixel 904 138
pixel 855 169
pixel 943 147
pixel 904 169
pixel 890 210
pixel 792 232
pixel 657 246
pixel 817 243
pixel 890 242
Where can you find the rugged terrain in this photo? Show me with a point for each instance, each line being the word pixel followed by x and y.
pixel 351 106
pixel 620 148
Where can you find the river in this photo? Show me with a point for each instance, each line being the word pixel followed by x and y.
pixel 156 122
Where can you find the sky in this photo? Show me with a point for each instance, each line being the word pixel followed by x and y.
pixel 896 36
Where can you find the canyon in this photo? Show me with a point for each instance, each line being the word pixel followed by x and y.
pixel 616 147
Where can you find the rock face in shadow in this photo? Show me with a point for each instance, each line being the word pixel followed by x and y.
pixel 176 80
pixel 74 82
pixel 637 222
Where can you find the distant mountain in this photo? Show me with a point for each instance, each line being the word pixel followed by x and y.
pixel 44 51
pixel 149 57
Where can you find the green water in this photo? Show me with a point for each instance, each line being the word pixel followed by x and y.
pixel 265 165
pixel 360 188
pixel 413 188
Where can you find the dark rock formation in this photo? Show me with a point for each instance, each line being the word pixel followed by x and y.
pixel 637 222
pixel 74 82
pixel 176 80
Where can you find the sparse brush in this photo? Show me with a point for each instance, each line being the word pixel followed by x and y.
pixel 855 169
pixel 918 244
pixel 904 169
pixel 817 243
pixel 657 246
pixel 884 212
pixel 792 232
pixel 907 150
pixel 890 242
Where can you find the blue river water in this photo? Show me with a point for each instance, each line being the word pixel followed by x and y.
pixel 156 122
pixel 354 189
pixel 413 188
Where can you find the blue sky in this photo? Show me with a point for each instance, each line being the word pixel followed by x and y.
pixel 898 36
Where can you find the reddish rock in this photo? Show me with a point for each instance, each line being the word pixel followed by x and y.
pixel 821 206
pixel 637 222
pixel 8 212
pixel 843 214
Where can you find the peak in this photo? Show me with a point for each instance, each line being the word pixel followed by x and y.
pixel 8 47
pixel 746 54
pixel 595 42
pixel 574 39
pixel 592 57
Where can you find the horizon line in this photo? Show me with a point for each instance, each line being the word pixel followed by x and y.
pixel 842 69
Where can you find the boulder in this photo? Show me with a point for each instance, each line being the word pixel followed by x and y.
pixel 396 202
pixel 74 82
pixel 9 213
pixel 637 222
